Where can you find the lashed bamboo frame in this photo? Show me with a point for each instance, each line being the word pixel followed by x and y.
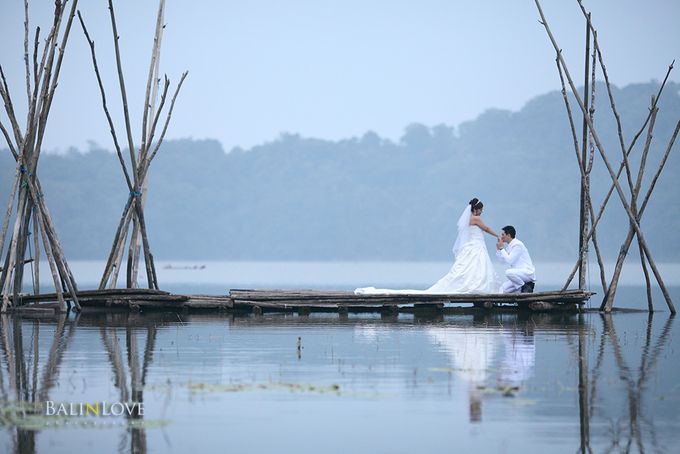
pixel 630 206
pixel 140 160
pixel 25 147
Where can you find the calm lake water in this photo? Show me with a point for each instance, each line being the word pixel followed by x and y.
pixel 214 382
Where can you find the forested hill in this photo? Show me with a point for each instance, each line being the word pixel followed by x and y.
pixel 368 198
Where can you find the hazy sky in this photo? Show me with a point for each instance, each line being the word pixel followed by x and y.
pixel 333 69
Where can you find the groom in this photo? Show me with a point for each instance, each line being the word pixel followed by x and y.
pixel 520 275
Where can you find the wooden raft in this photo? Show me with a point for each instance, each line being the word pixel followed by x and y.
pixel 134 299
pixel 303 300
pixel 341 301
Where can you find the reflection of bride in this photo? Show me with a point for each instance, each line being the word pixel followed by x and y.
pixel 472 271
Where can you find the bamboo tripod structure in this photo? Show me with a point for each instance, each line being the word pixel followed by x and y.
pixel 632 205
pixel 31 216
pixel 132 222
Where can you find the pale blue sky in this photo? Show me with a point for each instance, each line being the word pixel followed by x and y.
pixel 334 69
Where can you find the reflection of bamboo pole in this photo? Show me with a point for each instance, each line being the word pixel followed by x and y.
pixel 138 442
pixel 583 388
pixel 36 359
pixel 625 375
pixel 148 351
pixel 648 361
pixel 113 351
pixel 605 159
pixel 9 356
pixel 52 358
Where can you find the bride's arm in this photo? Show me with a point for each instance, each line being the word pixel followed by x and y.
pixel 476 220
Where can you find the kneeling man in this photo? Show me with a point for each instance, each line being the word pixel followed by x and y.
pixel 521 272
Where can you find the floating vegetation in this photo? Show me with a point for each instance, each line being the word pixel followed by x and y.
pixel 505 391
pixel 280 386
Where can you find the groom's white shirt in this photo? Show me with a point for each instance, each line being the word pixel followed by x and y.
pixel 517 256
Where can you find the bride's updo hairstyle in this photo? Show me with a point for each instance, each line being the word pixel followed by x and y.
pixel 476 204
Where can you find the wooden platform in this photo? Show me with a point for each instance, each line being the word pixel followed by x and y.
pixel 343 301
pixel 134 299
pixel 304 300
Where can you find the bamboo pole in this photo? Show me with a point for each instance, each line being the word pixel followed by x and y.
pixel 123 92
pixel 53 270
pixel 26 61
pixel 102 92
pixel 603 155
pixel 119 255
pixel 36 246
pixel 623 252
pixel 147 130
pixel 589 168
pixel 583 207
pixel 583 169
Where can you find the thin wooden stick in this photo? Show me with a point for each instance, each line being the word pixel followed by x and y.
pixel 8 212
pixel 116 241
pixel 112 129
pixel 55 76
pixel 36 246
pixel 119 255
pixel 154 124
pixel 9 108
pixel 149 108
pixel 638 185
pixel 135 231
pixel 583 208
pixel 155 55
pixel 9 268
pixel 123 92
pixel 661 166
pixel 608 299
pixel 612 174
pixel 589 168
pixel 20 251
pixel 48 226
pixel 35 55
pixel 53 270
pixel 167 120
pixel 8 139
pixel 26 61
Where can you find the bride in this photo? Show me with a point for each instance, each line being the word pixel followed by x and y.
pixel 472 271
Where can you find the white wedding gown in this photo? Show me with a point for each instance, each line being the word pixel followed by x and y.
pixel 472 270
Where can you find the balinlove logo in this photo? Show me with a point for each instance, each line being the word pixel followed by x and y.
pixel 94 409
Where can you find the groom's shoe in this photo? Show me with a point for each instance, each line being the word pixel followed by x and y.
pixel 528 287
